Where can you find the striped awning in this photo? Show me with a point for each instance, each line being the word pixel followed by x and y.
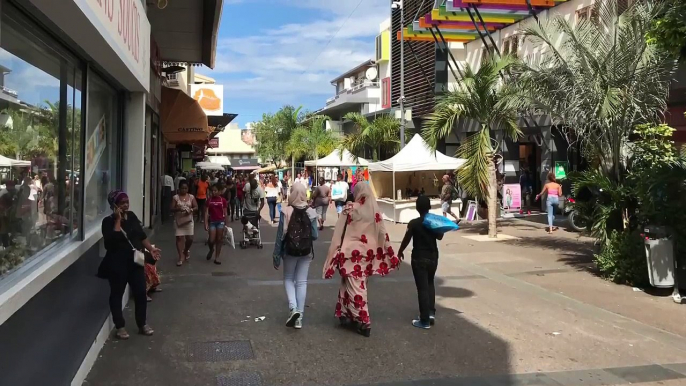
pixel 456 24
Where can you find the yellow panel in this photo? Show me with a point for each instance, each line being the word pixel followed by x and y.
pixel 435 15
pixel 385 46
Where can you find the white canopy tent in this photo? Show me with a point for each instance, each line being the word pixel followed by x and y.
pixel 416 156
pixel 219 160
pixel 209 166
pixel 417 164
pixel 334 160
pixel 9 162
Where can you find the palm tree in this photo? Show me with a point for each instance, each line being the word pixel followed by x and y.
pixel 482 97
pixel 382 132
pixel 311 138
pixel 600 79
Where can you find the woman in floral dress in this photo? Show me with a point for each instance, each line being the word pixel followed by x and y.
pixel 360 248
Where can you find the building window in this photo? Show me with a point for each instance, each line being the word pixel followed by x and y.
pixel 379 47
pixel 511 45
pixel 486 53
pixel 40 132
pixel 587 13
pixel 386 93
pixel 172 76
pixel 101 163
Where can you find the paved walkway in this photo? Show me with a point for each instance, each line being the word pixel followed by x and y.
pixel 526 311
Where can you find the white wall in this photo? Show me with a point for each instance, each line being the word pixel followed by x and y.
pixel 134 150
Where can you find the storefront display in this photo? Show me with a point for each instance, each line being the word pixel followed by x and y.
pixel 40 128
pixel 102 150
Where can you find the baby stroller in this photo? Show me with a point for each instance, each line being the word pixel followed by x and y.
pixel 251 230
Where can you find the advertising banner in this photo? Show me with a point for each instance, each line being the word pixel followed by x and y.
pixel 512 197
pixel 95 146
pixel 210 97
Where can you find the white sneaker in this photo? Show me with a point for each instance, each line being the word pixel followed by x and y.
pixel 292 318
pixel 299 323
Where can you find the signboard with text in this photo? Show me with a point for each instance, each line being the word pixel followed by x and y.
pixel 95 146
pixel 125 26
pixel 213 143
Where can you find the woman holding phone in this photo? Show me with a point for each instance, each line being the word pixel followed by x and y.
pixel 122 233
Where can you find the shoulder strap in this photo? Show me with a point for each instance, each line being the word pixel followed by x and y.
pixel 127 237
pixel 345 228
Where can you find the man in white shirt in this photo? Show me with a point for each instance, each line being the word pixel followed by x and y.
pixel 300 180
pixel 167 188
pixel 177 180
pixel 339 194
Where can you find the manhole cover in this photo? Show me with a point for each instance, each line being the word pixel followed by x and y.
pixel 219 351
pixel 240 379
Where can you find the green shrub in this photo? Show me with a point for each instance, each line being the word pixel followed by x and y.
pixel 622 259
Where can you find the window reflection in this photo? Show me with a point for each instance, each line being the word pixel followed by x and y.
pixel 40 129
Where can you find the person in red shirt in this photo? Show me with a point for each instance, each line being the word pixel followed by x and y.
pixel 240 184
pixel 215 220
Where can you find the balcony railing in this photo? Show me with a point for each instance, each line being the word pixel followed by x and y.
pixel 357 86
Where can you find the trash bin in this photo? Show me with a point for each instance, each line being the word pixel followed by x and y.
pixel 659 249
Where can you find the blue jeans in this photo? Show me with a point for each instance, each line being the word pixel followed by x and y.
pixel 295 271
pixel 551 203
pixel 271 201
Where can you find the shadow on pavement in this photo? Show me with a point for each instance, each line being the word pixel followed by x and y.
pixel 200 304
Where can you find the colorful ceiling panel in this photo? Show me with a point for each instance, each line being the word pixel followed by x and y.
pixel 455 23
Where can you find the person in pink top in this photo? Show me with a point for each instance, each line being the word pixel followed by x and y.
pixel 554 191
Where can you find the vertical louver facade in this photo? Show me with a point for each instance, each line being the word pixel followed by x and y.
pixel 419 94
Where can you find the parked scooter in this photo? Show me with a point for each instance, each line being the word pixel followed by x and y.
pixel 574 219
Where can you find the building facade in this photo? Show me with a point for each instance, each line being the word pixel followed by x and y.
pixel 79 106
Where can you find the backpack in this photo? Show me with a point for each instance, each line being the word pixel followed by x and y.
pixel 299 234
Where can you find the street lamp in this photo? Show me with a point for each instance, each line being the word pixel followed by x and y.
pixel 399 5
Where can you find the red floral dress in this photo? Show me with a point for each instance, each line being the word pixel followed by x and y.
pixel 362 251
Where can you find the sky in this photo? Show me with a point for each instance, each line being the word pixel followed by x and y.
pixel 276 52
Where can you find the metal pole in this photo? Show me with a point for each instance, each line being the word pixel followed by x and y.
pixel 402 75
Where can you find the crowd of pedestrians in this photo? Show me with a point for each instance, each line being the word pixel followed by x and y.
pixel 360 246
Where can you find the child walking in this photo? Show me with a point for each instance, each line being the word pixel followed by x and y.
pixel 424 263
pixel 215 220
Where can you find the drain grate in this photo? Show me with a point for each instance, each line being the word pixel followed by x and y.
pixel 220 351
pixel 240 379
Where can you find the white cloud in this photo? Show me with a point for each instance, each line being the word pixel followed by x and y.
pixel 292 60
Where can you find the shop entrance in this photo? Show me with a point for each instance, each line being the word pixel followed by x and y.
pixel 530 167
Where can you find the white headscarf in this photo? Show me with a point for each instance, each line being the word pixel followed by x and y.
pixel 296 199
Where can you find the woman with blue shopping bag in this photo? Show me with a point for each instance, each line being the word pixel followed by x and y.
pixel 424 231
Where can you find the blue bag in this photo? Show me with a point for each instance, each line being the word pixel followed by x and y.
pixel 439 224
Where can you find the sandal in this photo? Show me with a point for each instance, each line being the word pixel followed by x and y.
pixel 155 289
pixel 217 262
pixel 188 254
pixel 149 299
pixel 146 330
pixel 179 263
pixel 122 334
pixel 364 330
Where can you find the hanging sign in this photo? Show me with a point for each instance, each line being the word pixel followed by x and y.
pixel 561 168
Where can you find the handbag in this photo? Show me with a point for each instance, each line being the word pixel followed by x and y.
pixel 138 256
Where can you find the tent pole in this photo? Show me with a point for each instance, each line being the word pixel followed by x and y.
pixel 395 198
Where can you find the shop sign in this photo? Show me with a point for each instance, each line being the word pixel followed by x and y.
pixel 213 143
pixel 512 197
pixel 247 162
pixel 198 152
pixel 124 24
pixel 210 97
pixel 190 129
pixel 561 169
pixel 94 148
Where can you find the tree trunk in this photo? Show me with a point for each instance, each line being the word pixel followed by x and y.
pixel 492 200
pixel 375 155
pixel 292 167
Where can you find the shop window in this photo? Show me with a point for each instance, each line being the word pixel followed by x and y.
pixel 101 166
pixel 40 141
